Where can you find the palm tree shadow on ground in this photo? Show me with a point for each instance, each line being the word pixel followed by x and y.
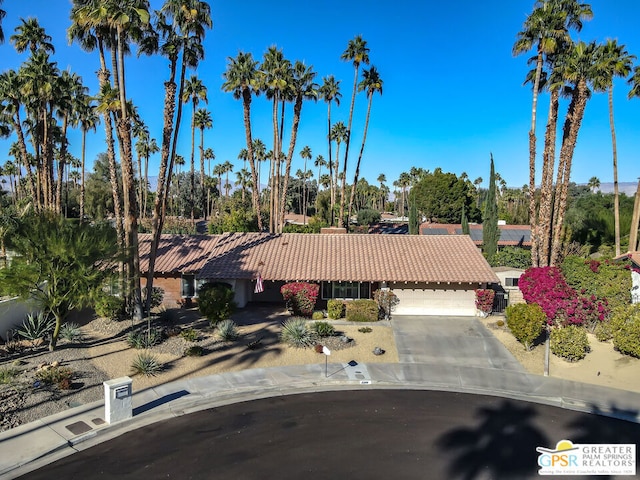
pixel 501 446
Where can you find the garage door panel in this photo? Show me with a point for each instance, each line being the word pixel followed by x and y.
pixel 435 302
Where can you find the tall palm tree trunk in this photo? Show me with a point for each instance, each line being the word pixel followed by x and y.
pixel 574 119
pixel 635 222
pixel 544 221
pixel 346 150
pixel 297 108
pixel 616 195
pixel 364 139
pixel 532 162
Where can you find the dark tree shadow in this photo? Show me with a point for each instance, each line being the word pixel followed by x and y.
pixel 502 445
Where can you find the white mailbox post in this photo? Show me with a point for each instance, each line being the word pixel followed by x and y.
pixel 117 399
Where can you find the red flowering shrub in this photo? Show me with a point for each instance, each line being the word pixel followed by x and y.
pixel 300 297
pixel 484 299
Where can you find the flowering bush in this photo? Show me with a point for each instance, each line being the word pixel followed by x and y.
pixel 561 304
pixel 300 297
pixel 484 300
pixel 547 287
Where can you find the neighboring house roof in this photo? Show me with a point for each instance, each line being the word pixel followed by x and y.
pixel 352 257
pixel 633 256
pixel 510 235
pixel 389 228
pixel 177 253
pixel 296 219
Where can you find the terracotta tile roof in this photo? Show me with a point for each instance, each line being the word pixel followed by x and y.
pixel 510 235
pixel 177 253
pixel 353 257
pixel 633 256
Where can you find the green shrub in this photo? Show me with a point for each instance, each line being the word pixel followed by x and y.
pixel 146 364
pixel 227 330
pixel 71 332
pixel 190 335
pixel 144 338
pixel 110 307
pixel 526 321
pixel 335 309
pixel 317 315
pixel 7 375
pixel 365 330
pixel 625 325
pixel 323 329
pixel 59 376
pixel 500 323
pixel 215 301
pixel 603 331
pixel 295 333
pixel 362 311
pixel 157 295
pixel 194 351
pixel 569 342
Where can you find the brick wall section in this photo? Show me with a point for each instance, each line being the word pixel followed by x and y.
pixel 171 286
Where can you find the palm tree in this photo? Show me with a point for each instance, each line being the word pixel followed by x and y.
pixel 202 120
pixel 634 81
pixel 275 79
pixel 357 52
pixel 330 92
pixel 30 35
pixel 382 178
pixel 338 134
pixel 241 78
pixel 404 180
pixel 227 167
pixel 371 83
pixel 208 155
pixel 10 92
pixel 302 87
pixel 545 29
pixel 243 181
pixel 2 15
pixel 581 70
pixel 89 120
pixel 305 153
pixel 615 61
pixel 194 91
pixel 594 184
pixel 260 154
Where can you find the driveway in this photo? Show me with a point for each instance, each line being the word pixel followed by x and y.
pixel 458 341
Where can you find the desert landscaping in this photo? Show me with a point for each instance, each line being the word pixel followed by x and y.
pixel 104 354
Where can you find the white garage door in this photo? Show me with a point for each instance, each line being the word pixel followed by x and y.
pixel 435 302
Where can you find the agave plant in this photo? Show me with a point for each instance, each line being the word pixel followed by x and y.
pixel 146 364
pixel 228 330
pixel 36 326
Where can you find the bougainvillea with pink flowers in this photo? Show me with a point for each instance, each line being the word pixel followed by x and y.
pixel 300 297
pixel 561 304
pixel 484 300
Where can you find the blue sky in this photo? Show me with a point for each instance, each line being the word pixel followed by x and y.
pixel 452 93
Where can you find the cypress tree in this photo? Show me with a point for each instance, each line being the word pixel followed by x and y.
pixel 490 231
pixel 464 223
pixel 414 223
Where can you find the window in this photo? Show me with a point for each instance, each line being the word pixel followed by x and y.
pixel 511 282
pixel 345 290
pixel 187 288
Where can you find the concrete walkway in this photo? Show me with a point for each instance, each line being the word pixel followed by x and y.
pixel 36 444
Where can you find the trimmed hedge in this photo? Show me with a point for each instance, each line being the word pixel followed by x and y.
pixel 625 325
pixel 526 321
pixel 335 309
pixel 362 311
pixel 569 342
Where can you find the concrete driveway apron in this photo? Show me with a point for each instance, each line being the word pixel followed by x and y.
pixel 457 341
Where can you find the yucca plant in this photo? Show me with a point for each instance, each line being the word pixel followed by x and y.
pixel 296 333
pixel 144 338
pixel 146 364
pixel 36 326
pixel 227 330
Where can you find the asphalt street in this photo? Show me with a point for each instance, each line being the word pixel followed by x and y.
pixel 365 434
